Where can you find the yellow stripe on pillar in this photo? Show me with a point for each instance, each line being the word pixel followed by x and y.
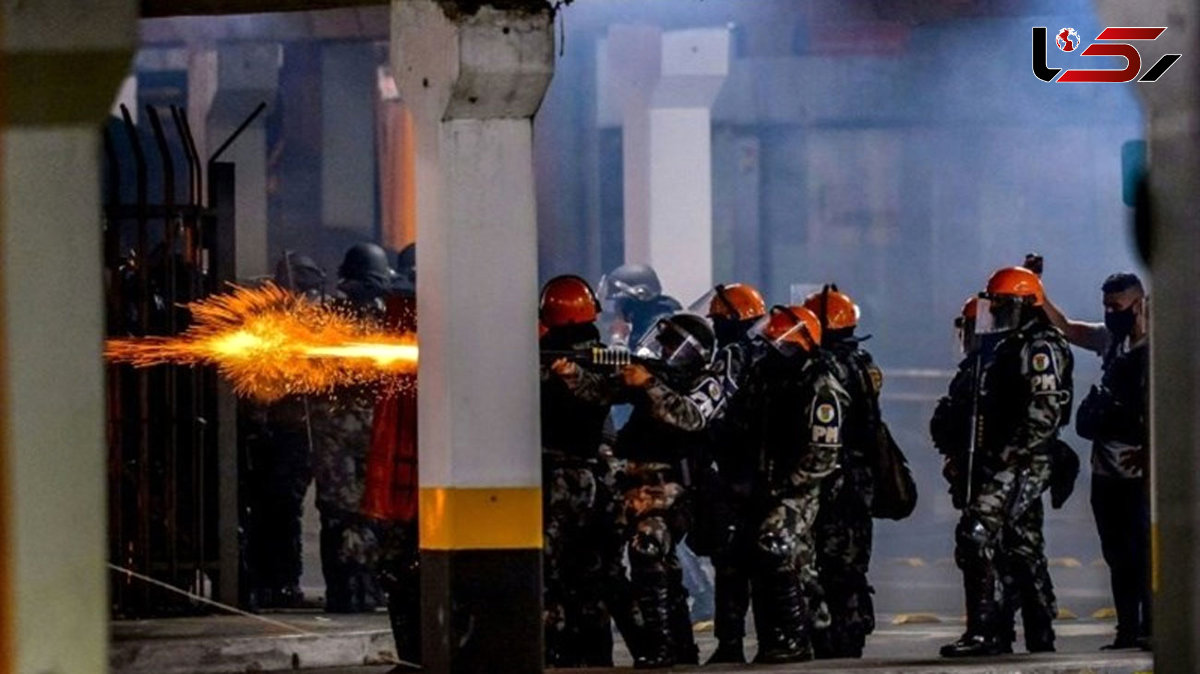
pixel 481 518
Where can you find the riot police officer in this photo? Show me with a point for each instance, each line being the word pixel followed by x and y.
pixel 278 470
pixel 792 408
pixel 844 527
pixel 722 523
pixel 951 424
pixel 635 295
pixel 1023 398
pixel 391 492
pixel 674 395
pixel 342 436
pixel 951 428
pixel 576 490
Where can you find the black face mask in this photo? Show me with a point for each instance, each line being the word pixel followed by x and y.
pixel 728 331
pixel 1120 323
pixel 569 337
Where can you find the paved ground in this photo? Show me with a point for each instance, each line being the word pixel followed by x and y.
pixel 926 587
pixel 912 649
pixel 163 646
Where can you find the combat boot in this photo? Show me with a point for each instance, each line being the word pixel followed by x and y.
pixel 729 651
pixel 783 633
pixel 1039 639
pixel 656 648
pixel 682 635
pixel 975 645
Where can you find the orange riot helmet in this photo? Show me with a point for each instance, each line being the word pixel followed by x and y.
pixel 790 329
pixel 969 312
pixel 736 302
pixel 834 308
pixel 1012 294
pixel 1016 282
pixel 970 308
pixel 567 300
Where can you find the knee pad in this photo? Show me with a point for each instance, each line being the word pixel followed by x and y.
pixel 651 542
pixel 973 538
pixel 776 549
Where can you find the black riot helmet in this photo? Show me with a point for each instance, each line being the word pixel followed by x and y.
pixel 682 340
pixel 406 269
pixel 631 281
pixel 365 274
pixel 366 263
pixel 300 274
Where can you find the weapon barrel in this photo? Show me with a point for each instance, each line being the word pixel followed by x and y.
pixel 594 356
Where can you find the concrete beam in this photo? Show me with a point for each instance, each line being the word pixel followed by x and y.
pixel 63 63
pixel 665 85
pixel 1173 133
pixel 163 8
pixel 473 80
pixel 226 85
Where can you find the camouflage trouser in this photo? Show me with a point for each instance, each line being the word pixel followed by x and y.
pixel 656 519
pixel 575 558
pixel 349 561
pixel 400 580
pixel 843 539
pixel 1001 551
pixel 784 571
pixel 785 537
pixel 349 542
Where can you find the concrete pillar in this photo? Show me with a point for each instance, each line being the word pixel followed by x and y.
pixel 61 64
pixel 348 157
pixel 474 76
pixel 229 83
pixel 665 85
pixel 1173 134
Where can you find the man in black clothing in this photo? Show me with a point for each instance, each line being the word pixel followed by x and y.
pixel 1115 417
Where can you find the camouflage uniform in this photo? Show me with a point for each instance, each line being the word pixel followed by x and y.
pixel 349 539
pixel 844 527
pixel 793 454
pixel 661 442
pixel 578 515
pixel 1024 398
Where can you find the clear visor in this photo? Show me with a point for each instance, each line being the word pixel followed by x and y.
pixel 997 314
pixel 703 303
pixel 613 289
pixel 782 339
pixel 670 345
pixel 964 334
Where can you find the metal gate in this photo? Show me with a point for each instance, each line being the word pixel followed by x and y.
pixel 171 431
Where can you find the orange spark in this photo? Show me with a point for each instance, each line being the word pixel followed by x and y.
pixel 270 343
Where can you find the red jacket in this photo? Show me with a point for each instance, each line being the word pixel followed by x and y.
pixel 391 481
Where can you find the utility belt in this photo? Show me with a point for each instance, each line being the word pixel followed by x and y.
pixel 651 473
pixel 553 458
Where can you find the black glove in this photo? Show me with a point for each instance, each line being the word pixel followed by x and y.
pixel 1064 468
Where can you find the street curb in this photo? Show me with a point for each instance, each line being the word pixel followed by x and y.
pixel 221 655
